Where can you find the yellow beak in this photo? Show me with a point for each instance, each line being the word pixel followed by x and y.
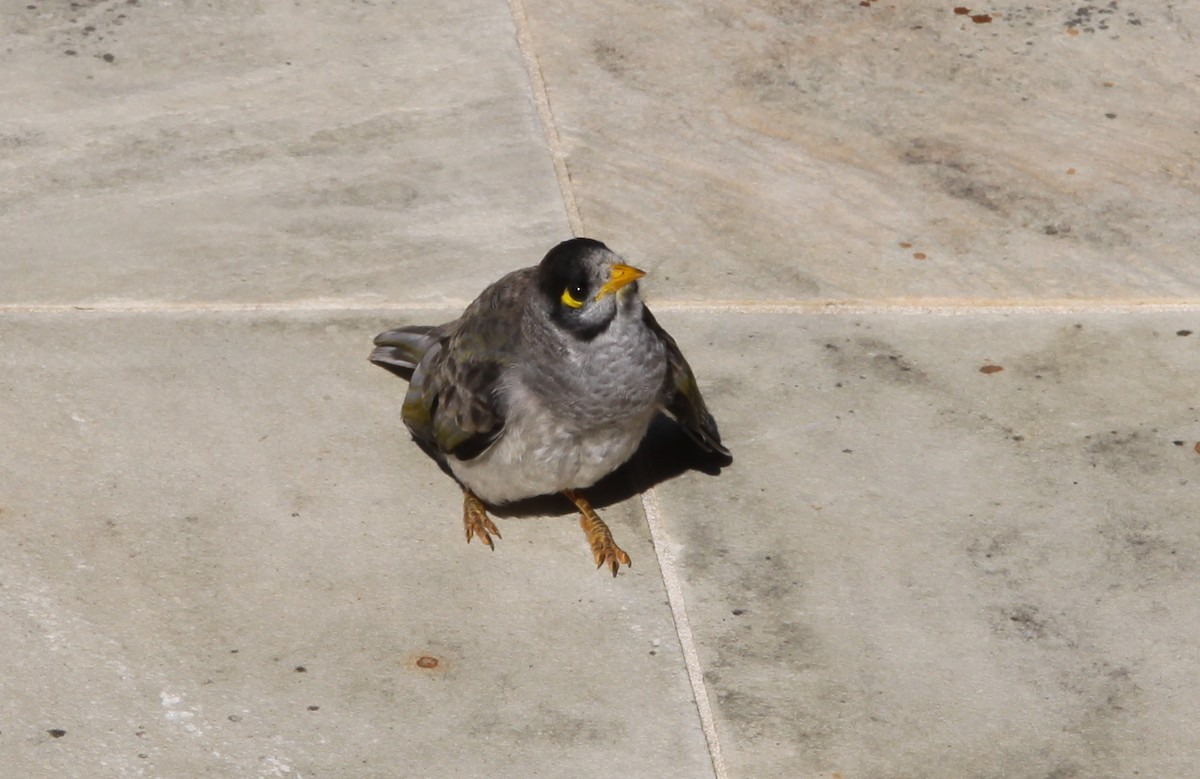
pixel 621 275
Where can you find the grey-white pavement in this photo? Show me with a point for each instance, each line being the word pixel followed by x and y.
pixel 935 271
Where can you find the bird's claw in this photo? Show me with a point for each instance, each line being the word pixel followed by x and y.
pixel 476 522
pixel 611 554
pixel 599 537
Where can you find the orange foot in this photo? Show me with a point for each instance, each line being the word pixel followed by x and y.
pixel 604 549
pixel 476 521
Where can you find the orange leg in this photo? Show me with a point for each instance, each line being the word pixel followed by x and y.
pixel 476 521
pixel 604 549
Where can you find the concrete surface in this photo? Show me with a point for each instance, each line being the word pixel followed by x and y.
pixel 934 270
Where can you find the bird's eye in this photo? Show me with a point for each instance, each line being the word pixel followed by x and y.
pixel 574 295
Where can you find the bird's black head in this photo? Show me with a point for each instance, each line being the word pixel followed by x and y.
pixel 583 283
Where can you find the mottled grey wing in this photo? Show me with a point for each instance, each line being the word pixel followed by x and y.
pixel 453 403
pixel 682 398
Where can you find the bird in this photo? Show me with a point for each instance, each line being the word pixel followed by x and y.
pixel 545 384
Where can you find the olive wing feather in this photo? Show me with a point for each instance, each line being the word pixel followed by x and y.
pixel 682 398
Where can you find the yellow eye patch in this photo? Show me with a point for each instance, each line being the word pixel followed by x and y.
pixel 570 300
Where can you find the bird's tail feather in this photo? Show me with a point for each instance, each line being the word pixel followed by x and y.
pixel 401 349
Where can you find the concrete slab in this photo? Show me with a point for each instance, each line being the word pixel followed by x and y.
pixel 225 558
pixel 774 150
pixel 917 567
pixel 265 152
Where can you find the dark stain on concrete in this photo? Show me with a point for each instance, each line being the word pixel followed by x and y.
pixel 872 358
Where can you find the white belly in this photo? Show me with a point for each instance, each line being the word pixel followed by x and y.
pixel 539 455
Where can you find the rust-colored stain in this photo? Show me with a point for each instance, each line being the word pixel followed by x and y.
pixel 962 10
pixel 991 369
pixel 1072 31
pixel 919 255
pixel 433 666
pixel 1108 84
pixel 1197 447
pixel 1070 171
pixel 905 245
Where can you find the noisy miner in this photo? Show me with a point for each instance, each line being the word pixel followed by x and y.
pixel 546 384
